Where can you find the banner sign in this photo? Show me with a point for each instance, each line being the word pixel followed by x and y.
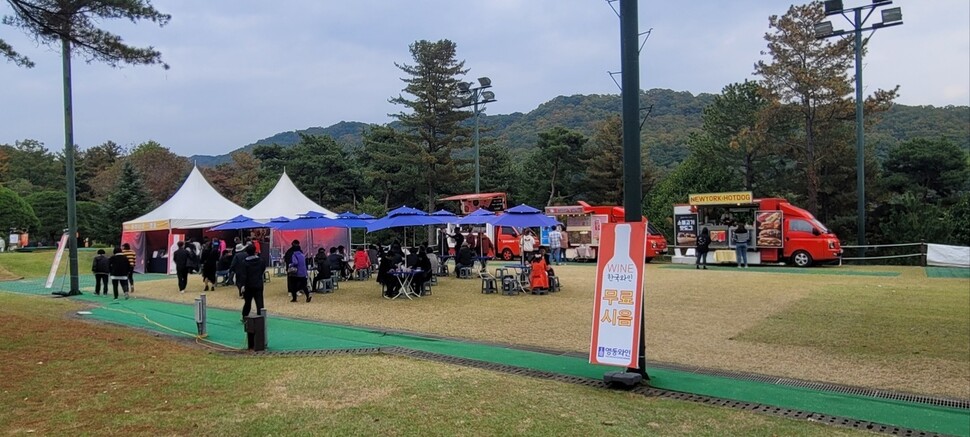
pixel 57 261
pixel 618 295
pixel 721 198
pixel 686 227
pixel 154 225
pixel 768 228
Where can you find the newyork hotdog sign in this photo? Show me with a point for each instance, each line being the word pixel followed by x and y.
pixel 619 295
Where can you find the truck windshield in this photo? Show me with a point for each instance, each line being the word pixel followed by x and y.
pixel 821 227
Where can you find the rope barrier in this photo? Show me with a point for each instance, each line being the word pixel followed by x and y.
pixel 199 339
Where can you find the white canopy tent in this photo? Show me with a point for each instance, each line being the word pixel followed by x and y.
pixel 196 205
pixel 285 200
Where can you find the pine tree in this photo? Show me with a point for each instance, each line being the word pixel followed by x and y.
pixel 129 200
pixel 431 128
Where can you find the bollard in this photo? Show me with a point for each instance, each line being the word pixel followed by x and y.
pixel 200 315
pixel 256 332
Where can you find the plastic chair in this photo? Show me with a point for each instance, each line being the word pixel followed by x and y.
pixel 327 285
pixel 488 285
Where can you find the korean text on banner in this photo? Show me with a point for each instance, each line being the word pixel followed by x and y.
pixel 619 295
pixel 57 261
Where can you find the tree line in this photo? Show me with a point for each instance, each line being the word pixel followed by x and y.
pixel 787 134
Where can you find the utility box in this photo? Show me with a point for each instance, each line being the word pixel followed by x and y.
pixel 256 332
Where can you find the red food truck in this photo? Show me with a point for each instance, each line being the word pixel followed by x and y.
pixel 505 240
pixel 782 232
pixel 583 223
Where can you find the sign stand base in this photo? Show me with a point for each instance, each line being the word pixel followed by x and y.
pixel 622 379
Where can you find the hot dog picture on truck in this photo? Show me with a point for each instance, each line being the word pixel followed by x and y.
pixel 782 232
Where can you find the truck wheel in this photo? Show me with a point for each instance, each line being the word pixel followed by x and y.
pixel 801 259
pixel 506 254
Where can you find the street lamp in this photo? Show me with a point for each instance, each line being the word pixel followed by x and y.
pixel 890 17
pixel 476 97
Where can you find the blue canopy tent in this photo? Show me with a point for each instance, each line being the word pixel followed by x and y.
pixel 523 216
pixel 239 222
pixel 446 217
pixel 403 217
pixel 478 217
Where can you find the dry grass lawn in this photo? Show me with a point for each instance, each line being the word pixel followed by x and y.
pixel 715 319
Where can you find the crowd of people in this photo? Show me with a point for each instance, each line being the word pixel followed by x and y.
pixel 243 263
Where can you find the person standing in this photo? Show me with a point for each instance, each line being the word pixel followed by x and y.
pixel 181 258
pixel 101 269
pixel 131 257
pixel 457 236
pixel 238 263
pixel 251 278
pixel 555 243
pixel 297 274
pixel 703 246
pixel 119 271
pixel 528 245
pixel 741 244
pixel 210 262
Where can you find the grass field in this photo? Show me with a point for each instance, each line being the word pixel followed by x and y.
pixel 79 378
pixel 898 330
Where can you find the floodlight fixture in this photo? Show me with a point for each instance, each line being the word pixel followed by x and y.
pixel 892 15
pixel 488 96
pixel 458 102
pixel 485 82
pixel 823 29
pixel 833 7
pixel 464 86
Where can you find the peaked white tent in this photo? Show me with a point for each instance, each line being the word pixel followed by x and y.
pixel 196 205
pixel 285 200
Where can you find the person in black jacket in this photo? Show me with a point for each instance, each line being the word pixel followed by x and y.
pixel 703 246
pixel 323 267
pixel 238 261
pixel 119 269
pixel 251 278
pixel 465 258
pixel 101 269
pixel 181 258
pixel 336 261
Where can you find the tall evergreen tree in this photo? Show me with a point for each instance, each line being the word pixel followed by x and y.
pixel 129 200
pixel 557 163
pixel 431 124
pixel 602 180
pixel 72 24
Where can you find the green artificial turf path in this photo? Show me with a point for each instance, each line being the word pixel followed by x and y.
pixel 284 334
pixel 948 272
pixel 819 270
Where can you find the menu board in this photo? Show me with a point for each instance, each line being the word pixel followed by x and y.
pixel 686 227
pixel 768 228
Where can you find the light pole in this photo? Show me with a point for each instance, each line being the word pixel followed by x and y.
pixel 475 97
pixel 890 17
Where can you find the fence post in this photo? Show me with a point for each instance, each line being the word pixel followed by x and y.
pixel 922 250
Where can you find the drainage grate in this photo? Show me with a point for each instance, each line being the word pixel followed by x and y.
pixel 680 396
pixel 667 394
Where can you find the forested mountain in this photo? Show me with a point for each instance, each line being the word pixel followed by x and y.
pixel 670 117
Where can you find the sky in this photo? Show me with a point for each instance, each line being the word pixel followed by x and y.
pixel 243 70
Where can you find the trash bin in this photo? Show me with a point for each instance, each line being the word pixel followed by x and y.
pixel 256 332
